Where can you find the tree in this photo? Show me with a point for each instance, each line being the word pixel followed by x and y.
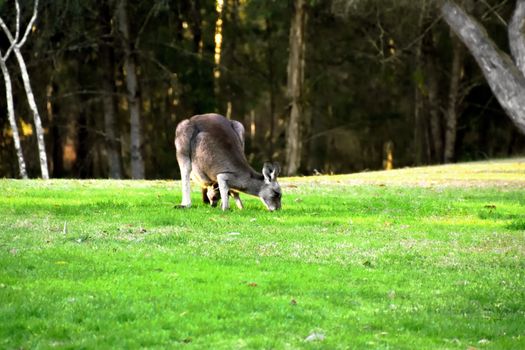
pixel 435 142
pixel 296 65
pixel 16 45
pixel 451 117
pixel 10 104
pixel 505 77
pixel 419 125
pixel 107 58
pixel 130 70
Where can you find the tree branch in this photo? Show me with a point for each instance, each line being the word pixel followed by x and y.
pixel 516 35
pixel 503 76
pixel 17 33
pixel 14 40
pixel 29 25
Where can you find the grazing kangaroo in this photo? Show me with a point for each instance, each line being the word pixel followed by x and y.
pixel 211 149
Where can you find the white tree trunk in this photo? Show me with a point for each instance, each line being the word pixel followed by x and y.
pixel 36 116
pixel 296 63
pixel 12 119
pixel 137 162
pixel 505 79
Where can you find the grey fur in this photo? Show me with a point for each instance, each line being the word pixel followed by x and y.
pixel 211 149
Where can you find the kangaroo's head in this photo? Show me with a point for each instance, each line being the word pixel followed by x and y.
pixel 270 192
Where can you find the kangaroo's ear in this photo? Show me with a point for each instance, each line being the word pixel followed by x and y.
pixel 267 171
pixel 270 171
pixel 276 170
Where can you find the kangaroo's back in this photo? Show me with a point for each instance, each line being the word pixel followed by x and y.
pixel 216 147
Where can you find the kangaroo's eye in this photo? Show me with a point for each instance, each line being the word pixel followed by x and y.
pixel 276 194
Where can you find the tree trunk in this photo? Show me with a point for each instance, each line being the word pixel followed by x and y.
pixel 12 119
pixel 419 125
pixel 84 147
pixel 107 57
pixel 108 100
pixel 55 146
pixel 272 82
pixel 504 77
pixel 137 162
pixel 36 116
pixel 432 94
pixel 453 94
pixel 296 63
pixel 57 150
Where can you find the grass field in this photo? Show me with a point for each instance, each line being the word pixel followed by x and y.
pixel 426 258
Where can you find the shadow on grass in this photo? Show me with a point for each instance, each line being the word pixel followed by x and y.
pixel 516 225
pixel 496 215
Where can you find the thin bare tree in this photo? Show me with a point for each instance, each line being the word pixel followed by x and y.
pixel 107 60
pixel 137 161
pixel 10 103
pixel 296 63
pixel 16 44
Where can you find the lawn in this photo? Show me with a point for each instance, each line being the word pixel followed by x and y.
pixel 425 258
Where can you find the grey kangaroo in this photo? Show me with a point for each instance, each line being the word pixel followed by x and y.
pixel 210 149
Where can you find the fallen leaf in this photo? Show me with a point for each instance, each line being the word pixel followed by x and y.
pixel 13 251
pixel 293 302
pixel 252 284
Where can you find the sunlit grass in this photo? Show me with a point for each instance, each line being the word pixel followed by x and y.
pixel 372 260
pixel 497 172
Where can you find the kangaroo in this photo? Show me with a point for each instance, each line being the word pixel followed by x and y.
pixel 210 148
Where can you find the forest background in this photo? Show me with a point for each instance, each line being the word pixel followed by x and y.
pixel 377 84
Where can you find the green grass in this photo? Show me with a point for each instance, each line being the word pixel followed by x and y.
pixel 381 264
